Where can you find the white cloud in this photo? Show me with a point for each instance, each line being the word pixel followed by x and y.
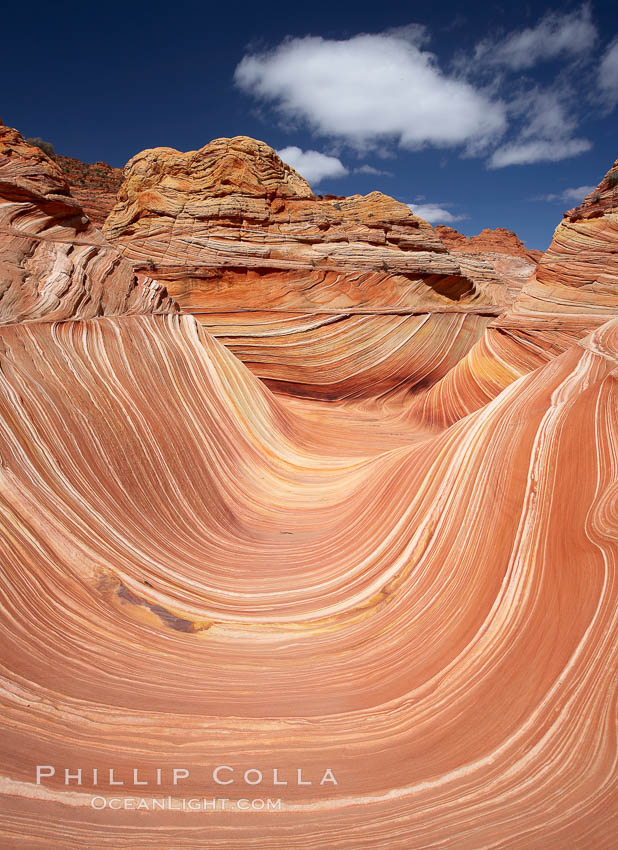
pixel 575 195
pixel 369 169
pixel 313 165
pixel 543 118
pixel 372 88
pixel 546 129
pixel 434 213
pixel 608 74
pixel 379 91
pixel 546 113
pixel 556 34
pixel 538 150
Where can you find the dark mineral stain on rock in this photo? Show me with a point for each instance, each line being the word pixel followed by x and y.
pixel 166 617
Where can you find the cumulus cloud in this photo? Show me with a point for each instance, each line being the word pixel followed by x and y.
pixel 575 195
pixel 313 165
pixel 434 213
pixel 539 150
pixel 570 34
pixel 608 74
pixel 372 88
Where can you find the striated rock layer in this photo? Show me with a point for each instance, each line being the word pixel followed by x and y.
pixel 54 264
pixel 574 289
pixel 196 572
pixel 575 283
pixel 214 221
pixel 298 286
pixel 240 595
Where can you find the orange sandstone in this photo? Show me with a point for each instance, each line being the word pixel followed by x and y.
pixel 493 241
pixel 336 297
pixel 196 572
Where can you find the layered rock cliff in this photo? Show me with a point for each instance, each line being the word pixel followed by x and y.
pixel 205 219
pixel 576 281
pixel 322 297
pixel 54 264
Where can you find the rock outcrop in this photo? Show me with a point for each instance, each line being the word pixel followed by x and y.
pixel 54 264
pixel 603 199
pixel 576 281
pixel 205 220
pixel 334 297
pixel 573 290
pixel 194 570
pixel 489 241
pixel 94 186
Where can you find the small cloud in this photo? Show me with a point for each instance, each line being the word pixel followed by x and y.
pixel 369 169
pixel 455 22
pixel 415 34
pixel 539 150
pixel 556 34
pixel 313 165
pixel 434 213
pixel 547 132
pixel 547 115
pixel 574 195
pixel 608 74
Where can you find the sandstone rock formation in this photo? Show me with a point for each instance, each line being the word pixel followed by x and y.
pixel 94 185
pixel 575 281
pixel 217 601
pixel 574 289
pixel 322 297
pixel 211 217
pixel 601 200
pixel 55 265
pixel 198 572
pixel 496 241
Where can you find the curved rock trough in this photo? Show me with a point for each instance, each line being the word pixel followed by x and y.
pixel 409 597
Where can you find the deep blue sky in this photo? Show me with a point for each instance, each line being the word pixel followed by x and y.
pixel 104 81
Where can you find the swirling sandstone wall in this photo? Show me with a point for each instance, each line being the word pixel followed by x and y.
pixel 197 572
pixel 572 291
